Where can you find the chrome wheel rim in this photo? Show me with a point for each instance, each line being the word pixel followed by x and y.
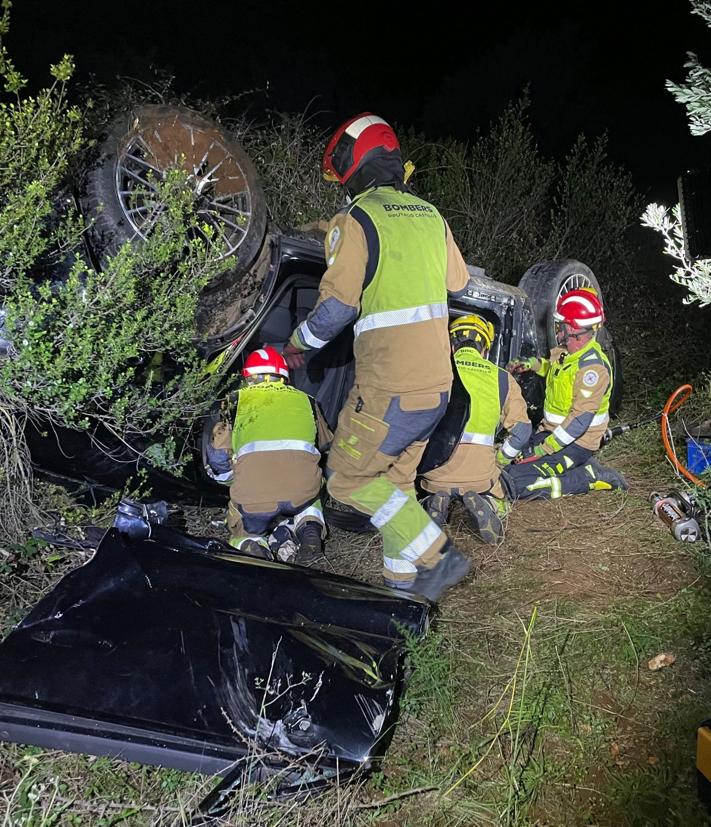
pixel 222 194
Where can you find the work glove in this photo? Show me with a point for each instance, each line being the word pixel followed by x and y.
pixel 522 365
pixel 550 445
pixel 502 460
pixel 294 356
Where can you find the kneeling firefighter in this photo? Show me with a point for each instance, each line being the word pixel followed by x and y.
pixel 472 472
pixel 275 461
pixel 578 387
pixel 391 262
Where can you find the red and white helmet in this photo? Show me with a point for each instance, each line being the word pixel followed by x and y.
pixel 580 308
pixel 266 360
pixel 353 141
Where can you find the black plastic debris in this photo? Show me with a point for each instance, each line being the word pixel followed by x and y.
pixel 175 650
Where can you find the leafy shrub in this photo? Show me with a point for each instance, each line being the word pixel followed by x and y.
pixel 695 95
pixel 99 350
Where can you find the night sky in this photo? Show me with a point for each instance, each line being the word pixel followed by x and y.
pixel 590 67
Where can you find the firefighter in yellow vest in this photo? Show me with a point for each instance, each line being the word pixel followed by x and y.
pixel 275 461
pixel 391 263
pixel 576 408
pixel 495 401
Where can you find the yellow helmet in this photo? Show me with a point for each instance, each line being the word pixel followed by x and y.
pixel 473 327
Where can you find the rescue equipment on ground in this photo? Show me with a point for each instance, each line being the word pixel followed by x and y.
pixel 678 511
pixel 675 401
pixel 678 398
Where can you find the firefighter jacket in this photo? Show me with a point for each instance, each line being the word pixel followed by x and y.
pixel 274 455
pixel 578 388
pixel 495 400
pixel 391 263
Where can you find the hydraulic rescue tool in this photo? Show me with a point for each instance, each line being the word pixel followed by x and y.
pixel 677 510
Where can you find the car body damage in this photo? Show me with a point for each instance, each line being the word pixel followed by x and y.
pixel 177 651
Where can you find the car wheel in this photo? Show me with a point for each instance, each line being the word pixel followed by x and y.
pixel 140 145
pixel 544 284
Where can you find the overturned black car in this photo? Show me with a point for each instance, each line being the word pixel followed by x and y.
pixel 271 292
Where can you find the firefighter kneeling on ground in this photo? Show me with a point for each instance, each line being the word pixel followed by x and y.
pixel 472 472
pixel 276 478
pixel 578 387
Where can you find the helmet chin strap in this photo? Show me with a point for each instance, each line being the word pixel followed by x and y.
pixel 566 337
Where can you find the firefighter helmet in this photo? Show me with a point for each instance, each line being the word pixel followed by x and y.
pixel 473 328
pixel 263 362
pixel 580 309
pixel 357 140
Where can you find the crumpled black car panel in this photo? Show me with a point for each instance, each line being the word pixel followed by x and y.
pixel 179 652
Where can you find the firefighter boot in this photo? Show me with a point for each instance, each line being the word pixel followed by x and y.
pixel 437 507
pixel 310 543
pixel 452 567
pixel 606 479
pixel 485 515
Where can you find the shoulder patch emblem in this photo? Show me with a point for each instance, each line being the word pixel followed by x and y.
pixel 333 239
pixel 590 378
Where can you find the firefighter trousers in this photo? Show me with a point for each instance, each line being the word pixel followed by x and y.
pixel 252 525
pixel 550 476
pixel 378 444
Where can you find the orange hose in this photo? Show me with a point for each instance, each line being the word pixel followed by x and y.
pixel 678 398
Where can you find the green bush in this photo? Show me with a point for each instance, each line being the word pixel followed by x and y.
pixel 111 349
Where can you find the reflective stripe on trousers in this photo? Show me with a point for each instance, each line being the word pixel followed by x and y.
pixel 408 532
pixel 276 445
pixel 408 315
pixel 314 513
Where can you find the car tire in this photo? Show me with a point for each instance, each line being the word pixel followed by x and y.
pixel 544 283
pixel 142 143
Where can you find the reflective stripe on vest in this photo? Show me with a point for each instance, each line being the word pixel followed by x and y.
pixel 407 282
pixel 481 382
pixel 477 439
pixel 272 416
pixel 561 379
pixel 276 445
pixel 394 318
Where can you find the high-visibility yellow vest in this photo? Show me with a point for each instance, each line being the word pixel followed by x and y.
pixel 482 383
pixel 407 283
pixel 561 378
pixel 272 416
